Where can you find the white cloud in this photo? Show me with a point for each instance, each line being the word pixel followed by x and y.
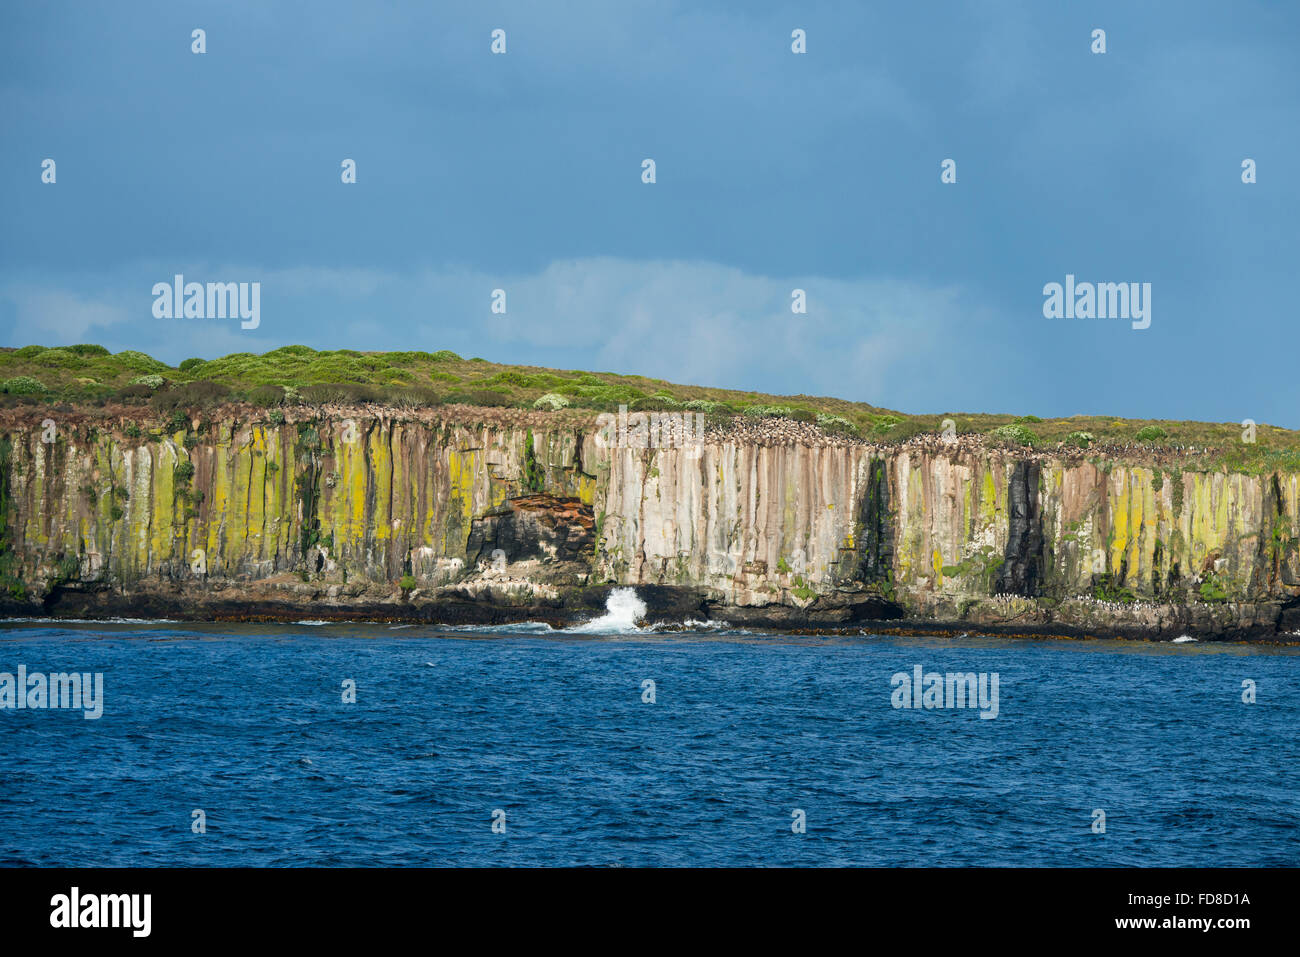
pixel 45 316
pixel 886 341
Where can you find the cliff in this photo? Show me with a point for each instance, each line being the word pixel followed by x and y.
pixel 480 515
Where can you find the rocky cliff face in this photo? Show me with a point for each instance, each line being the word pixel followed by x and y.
pixel 450 518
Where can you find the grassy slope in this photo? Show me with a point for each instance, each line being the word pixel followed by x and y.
pixel 91 375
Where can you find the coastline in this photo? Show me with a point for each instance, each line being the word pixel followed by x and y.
pixel 668 608
pixel 496 516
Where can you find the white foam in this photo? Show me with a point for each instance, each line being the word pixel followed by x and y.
pixel 515 628
pixel 690 624
pixel 1183 639
pixel 623 611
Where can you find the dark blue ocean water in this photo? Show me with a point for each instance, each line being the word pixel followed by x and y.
pixel 247 723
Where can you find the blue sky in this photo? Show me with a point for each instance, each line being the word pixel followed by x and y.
pixel 775 171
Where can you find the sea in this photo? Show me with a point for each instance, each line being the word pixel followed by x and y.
pixel 621 743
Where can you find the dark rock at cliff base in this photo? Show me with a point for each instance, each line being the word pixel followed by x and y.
pixel 1289 619
pixel 820 614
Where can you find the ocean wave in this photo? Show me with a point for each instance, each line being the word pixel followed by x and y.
pixel 623 610
pixel 515 628
pixel 690 624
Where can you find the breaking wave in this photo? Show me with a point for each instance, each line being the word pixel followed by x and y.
pixel 624 612
pixel 624 615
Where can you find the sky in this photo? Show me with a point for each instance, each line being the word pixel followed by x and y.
pixel 774 171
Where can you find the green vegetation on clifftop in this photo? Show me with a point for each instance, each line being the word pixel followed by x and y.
pixel 90 375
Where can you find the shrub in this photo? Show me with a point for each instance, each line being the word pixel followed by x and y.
pixel 444 355
pixel 1026 419
pixel 88 350
pixel 151 380
pixel 897 430
pixel 1107 589
pixel 183 472
pixel 803 415
pixel 277 418
pixel 484 397
pixel 293 351
pixel 552 402
pixel 653 403
pixel 1079 440
pixel 767 411
pixel 526 380
pixel 132 430
pixel 192 363
pixel 354 393
pixel 139 360
pixel 705 406
pixel 322 393
pixel 836 424
pixel 407 584
pixel 406 358
pixel 23 385
pixel 1151 433
pixel 59 357
pixel 534 472
pixel 415 397
pixel 1212 589
pixel 1015 432
pixel 190 395
pixel 266 395
pixel 595 394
